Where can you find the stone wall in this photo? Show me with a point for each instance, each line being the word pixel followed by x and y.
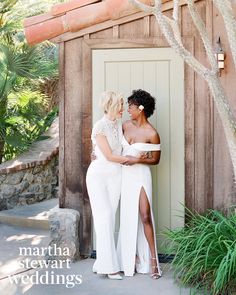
pixel 29 186
pixel 33 176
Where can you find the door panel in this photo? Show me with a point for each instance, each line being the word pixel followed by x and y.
pixel 161 72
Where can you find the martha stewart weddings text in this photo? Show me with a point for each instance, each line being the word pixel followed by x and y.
pixel 36 259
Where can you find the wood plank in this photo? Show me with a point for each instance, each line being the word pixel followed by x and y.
pixel 203 132
pixel 210 138
pixel 132 29
pixel 73 131
pixel 86 248
pixel 61 125
pixel 116 31
pixel 188 28
pixel 154 27
pixel 107 33
pixel 209 18
pixel 189 87
pixel 146 26
pixel 202 159
pixel 127 43
pixel 73 121
pixel 87 104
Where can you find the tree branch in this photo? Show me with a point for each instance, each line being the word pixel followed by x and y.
pixel 203 33
pixel 176 10
pixel 142 6
pixel 169 27
pixel 173 36
pixel 158 5
pixel 175 28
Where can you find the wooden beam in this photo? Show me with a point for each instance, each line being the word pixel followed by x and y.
pixel 116 31
pixel 146 26
pixel 127 43
pixel 62 125
pixel 189 126
pixel 86 143
pixel 210 150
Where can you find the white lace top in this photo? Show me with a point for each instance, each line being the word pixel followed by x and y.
pixel 113 132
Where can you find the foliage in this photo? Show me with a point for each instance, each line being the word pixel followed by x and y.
pixel 206 252
pixel 25 121
pixel 34 7
pixel 23 70
pixel 7 25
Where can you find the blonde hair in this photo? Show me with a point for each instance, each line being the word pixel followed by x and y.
pixel 111 102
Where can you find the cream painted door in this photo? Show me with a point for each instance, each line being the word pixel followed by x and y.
pixel 161 72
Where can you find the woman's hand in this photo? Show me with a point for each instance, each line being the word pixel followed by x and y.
pixel 105 148
pixel 93 156
pixel 144 155
pixel 131 160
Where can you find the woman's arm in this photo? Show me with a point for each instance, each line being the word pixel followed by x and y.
pixel 155 155
pixel 154 160
pixel 105 148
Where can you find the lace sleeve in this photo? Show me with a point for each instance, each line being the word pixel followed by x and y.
pixel 98 128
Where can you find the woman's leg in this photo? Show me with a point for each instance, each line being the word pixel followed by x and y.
pixel 146 218
pixel 114 191
pixel 103 216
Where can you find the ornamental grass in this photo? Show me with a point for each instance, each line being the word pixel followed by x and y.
pixel 205 252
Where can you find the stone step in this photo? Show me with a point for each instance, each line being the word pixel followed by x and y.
pixel 32 216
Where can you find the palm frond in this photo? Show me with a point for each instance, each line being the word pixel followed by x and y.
pixel 23 69
pixel 6 5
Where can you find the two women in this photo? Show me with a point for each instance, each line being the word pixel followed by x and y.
pixel 104 182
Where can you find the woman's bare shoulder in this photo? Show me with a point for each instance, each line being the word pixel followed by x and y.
pixel 127 123
pixel 153 134
pixel 151 128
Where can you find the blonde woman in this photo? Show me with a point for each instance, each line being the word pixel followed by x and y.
pixel 104 182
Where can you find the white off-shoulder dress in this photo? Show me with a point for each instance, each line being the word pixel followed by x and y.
pixel 132 241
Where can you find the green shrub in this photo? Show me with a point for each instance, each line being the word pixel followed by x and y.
pixel 23 71
pixel 25 121
pixel 205 252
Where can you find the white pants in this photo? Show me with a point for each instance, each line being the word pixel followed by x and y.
pixel 103 185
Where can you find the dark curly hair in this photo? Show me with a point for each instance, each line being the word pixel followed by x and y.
pixel 142 97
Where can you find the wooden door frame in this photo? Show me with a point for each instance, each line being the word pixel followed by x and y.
pixel 85 104
pixel 90 44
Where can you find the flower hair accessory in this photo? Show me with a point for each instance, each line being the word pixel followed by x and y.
pixel 141 107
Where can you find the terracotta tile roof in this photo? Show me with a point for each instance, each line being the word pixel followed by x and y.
pixel 62 8
pixel 75 15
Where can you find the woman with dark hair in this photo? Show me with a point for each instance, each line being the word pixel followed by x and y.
pixel 137 243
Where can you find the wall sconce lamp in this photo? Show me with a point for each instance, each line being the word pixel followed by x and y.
pixel 220 55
